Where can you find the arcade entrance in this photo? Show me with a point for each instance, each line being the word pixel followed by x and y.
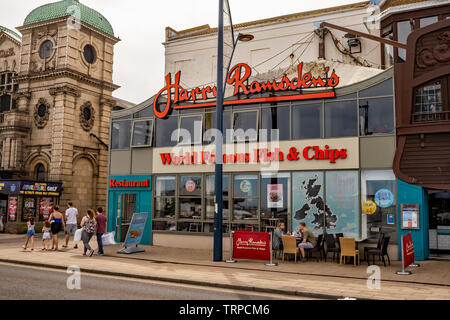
pixel 439 202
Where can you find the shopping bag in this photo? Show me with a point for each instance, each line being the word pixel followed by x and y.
pixel 108 239
pixel 77 236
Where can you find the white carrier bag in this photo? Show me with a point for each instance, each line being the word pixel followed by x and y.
pixel 77 236
pixel 108 239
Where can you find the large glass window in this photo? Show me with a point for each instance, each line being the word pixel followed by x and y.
pixel 190 130
pixel 28 208
pixel 144 113
pixel 245 126
pixel 165 135
pixel 376 116
pixel 120 135
pixel 275 199
pixel 276 121
pixel 165 187
pixel 210 197
pixel 341 119
pixel 379 186
pixel 384 88
pixel 245 197
pixel 142 133
pixel 425 22
pixel 428 101
pixel 210 123
pixel 307 121
pixel 190 191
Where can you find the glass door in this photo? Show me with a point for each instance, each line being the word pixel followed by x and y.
pixel 440 224
pixel 126 206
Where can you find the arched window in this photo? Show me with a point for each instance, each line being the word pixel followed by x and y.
pixel 41 175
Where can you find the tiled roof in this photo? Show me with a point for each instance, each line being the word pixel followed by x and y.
pixel 11 33
pixel 61 9
pixel 172 34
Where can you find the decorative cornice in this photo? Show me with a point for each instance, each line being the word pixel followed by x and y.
pixel 39 76
pixel 65 90
pixel 108 102
pixel 23 95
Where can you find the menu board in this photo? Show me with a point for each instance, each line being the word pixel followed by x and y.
pixel 12 209
pixel 45 208
pixel 410 214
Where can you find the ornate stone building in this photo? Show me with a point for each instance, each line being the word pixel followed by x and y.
pixel 56 127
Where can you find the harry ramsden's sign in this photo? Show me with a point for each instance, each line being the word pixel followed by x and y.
pixel 238 77
pixel 259 155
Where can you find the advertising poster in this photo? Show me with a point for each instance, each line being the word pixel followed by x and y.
pixel 12 209
pixel 136 229
pixel 410 217
pixel 274 196
pixel 308 200
pixel 29 208
pixel 384 198
pixel 408 250
pixel 342 213
pixel 251 245
pixel 45 208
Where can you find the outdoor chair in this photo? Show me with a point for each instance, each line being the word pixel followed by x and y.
pixel 348 249
pixel 317 248
pixel 379 246
pixel 290 246
pixel 338 236
pixel 330 246
pixel 380 253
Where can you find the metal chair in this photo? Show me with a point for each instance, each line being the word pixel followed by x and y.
pixel 380 253
pixel 379 246
pixel 317 248
pixel 330 246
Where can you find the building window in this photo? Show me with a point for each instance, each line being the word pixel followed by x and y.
pixel 28 208
pixel 379 186
pixel 40 172
pixel 376 116
pixel 425 22
pixel 276 121
pixel 190 131
pixel 403 31
pixel 165 188
pixel 144 113
pixel 120 135
pixel 275 199
pixel 5 103
pixel 307 121
pixel 388 50
pixel 46 49
pixel 245 197
pixel 211 123
pixel 89 54
pixel 142 133
pixel 190 198
pixel 166 129
pixel 341 119
pixel 428 102
pixel 245 126
pixel 384 88
pixel 211 197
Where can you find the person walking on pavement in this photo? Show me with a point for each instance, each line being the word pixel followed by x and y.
pixel 71 223
pixel 89 225
pixel 30 234
pixel 101 220
pixel 56 226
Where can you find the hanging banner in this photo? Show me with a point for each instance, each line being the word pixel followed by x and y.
pixel 408 250
pixel 251 245
pixel 274 196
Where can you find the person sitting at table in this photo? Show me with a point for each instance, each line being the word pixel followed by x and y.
pixel 277 243
pixel 309 240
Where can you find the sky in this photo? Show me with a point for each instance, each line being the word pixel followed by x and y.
pixel 140 24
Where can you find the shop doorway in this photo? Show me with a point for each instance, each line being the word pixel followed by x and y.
pixel 3 212
pixel 439 202
pixel 126 206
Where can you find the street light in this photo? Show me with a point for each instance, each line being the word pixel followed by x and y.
pixel 218 208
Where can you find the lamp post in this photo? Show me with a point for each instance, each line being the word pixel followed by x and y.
pixel 218 208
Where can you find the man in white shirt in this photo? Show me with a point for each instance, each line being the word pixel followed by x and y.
pixel 71 223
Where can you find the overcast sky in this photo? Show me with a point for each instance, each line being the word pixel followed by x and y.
pixel 139 57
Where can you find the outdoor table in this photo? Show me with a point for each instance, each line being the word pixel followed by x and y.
pixel 357 242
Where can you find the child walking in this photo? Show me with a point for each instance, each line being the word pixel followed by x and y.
pixel 30 234
pixel 46 236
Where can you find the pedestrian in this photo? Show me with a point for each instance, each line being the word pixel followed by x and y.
pixel 101 220
pixel 88 224
pixel 56 226
pixel 30 234
pixel 71 223
pixel 46 236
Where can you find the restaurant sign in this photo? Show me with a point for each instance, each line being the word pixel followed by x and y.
pixel 251 245
pixel 239 75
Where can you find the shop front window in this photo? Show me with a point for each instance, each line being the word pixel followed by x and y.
pixel 307 121
pixel 275 121
pixel 165 135
pixel 28 209
pixel 120 135
pixel 245 126
pixel 275 192
pixel 165 197
pixel 164 225
pixel 379 186
pixel 245 197
pixel 376 116
pixel 190 191
pixel 428 102
pixel 210 197
pixel 45 208
pixel 142 133
pixel 190 130
pixel 341 119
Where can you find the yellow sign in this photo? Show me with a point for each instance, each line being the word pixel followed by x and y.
pixel 369 207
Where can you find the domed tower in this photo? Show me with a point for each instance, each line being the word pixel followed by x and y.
pixel 65 78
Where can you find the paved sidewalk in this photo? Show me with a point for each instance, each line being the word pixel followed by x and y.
pixel 313 279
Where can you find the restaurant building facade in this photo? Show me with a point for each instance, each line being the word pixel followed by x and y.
pixel 295 149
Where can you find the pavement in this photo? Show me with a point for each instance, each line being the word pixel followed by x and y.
pixel 195 267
